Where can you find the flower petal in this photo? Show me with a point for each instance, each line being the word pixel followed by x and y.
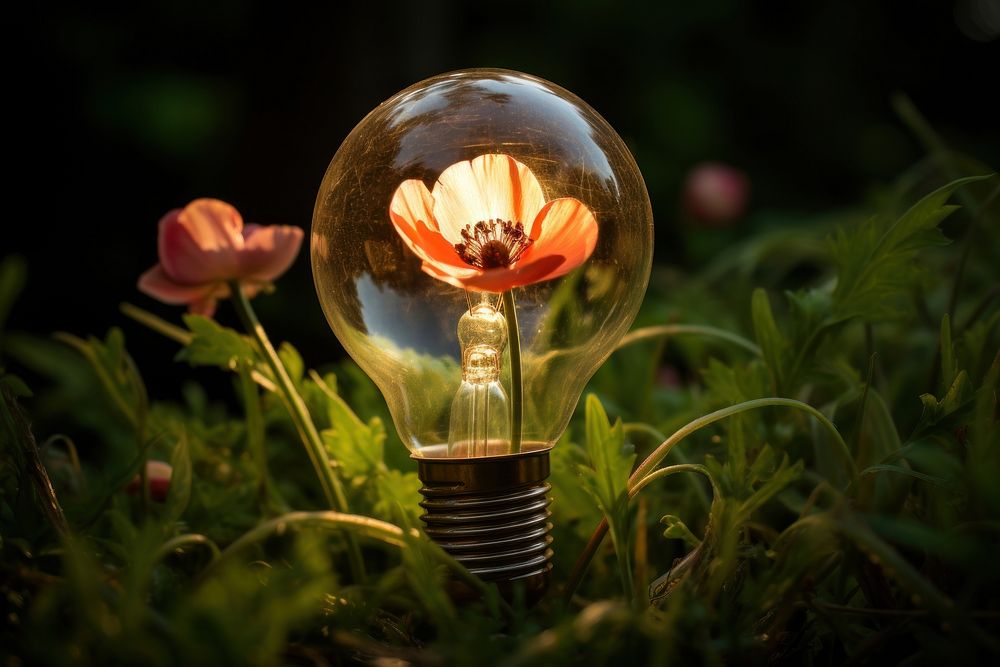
pixel 410 212
pixel 501 280
pixel 495 280
pixel 268 251
pixel 158 284
pixel 563 227
pixel 213 224
pixel 491 186
pixel 451 275
pixel 198 243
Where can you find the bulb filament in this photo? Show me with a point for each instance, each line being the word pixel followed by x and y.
pixel 480 410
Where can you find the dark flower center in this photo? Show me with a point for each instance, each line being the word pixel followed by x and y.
pixel 492 244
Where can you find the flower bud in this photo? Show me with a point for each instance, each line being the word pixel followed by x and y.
pixel 716 194
pixel 158 475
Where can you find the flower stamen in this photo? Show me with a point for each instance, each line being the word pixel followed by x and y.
pixel 492 244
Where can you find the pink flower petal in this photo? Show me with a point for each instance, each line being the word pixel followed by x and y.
pixel 268 251
pixel 716 194
pixel 199 243
pixel 489 187
pixel 158 475
pixel 563 227
pixel 213 224
pixel 158 284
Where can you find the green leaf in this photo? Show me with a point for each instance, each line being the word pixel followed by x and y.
pixel 951 408
pixel 15 385
pixel 809 309
pixel 572 503
pixel 607 480
pixel 357 447
pixel 610 457
pixel 425 575
pixel 977 345
pixel 180 482
pixel 214 344
pixel 878 440
pixel 398 491
pixel 785 474
pixel 772 344
pixel 875 267
pixel 116 371
pixel 678 530
pixel 292 360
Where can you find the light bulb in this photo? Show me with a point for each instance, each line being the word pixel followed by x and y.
pixel 480 243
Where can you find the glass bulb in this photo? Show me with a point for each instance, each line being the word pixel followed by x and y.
pixel 469 208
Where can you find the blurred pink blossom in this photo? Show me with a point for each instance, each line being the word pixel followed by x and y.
pixel 716 194
pixel 205 244
pixel 158 474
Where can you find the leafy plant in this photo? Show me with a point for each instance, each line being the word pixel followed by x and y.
pixel 794 469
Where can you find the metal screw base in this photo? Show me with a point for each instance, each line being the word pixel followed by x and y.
pixel 491 514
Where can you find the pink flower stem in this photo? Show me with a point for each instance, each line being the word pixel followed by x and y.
pixel 514 347
pixel 332 487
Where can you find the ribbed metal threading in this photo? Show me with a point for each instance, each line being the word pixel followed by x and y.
pixel 498 535
pixel 492 514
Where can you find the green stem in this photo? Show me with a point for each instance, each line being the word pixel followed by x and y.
pixel 602 528
pixel 158 324
pixel 183 542
pixel 660 452
pixel 20 429
pixel 625 564
pixel 333 490
pixel 641 427
pixel 648 466
pixel 270 499
pixel 514 346
pixel 647 333
pixel 351 523
pixel 179 334
pixel 363 526
pixel 673 470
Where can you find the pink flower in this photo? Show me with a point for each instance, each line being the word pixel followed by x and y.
pixel 158 474
pixel 716 194
pixel 205 244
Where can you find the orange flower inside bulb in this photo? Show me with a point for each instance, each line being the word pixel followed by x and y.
pixel 486 226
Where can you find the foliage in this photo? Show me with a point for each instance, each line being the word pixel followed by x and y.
pixel 861 526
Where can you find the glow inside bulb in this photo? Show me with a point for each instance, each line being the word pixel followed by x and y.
pixel 455 190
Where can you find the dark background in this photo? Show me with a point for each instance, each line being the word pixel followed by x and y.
pixel 126 112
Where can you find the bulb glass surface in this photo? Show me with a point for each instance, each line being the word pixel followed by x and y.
pixel 410 331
